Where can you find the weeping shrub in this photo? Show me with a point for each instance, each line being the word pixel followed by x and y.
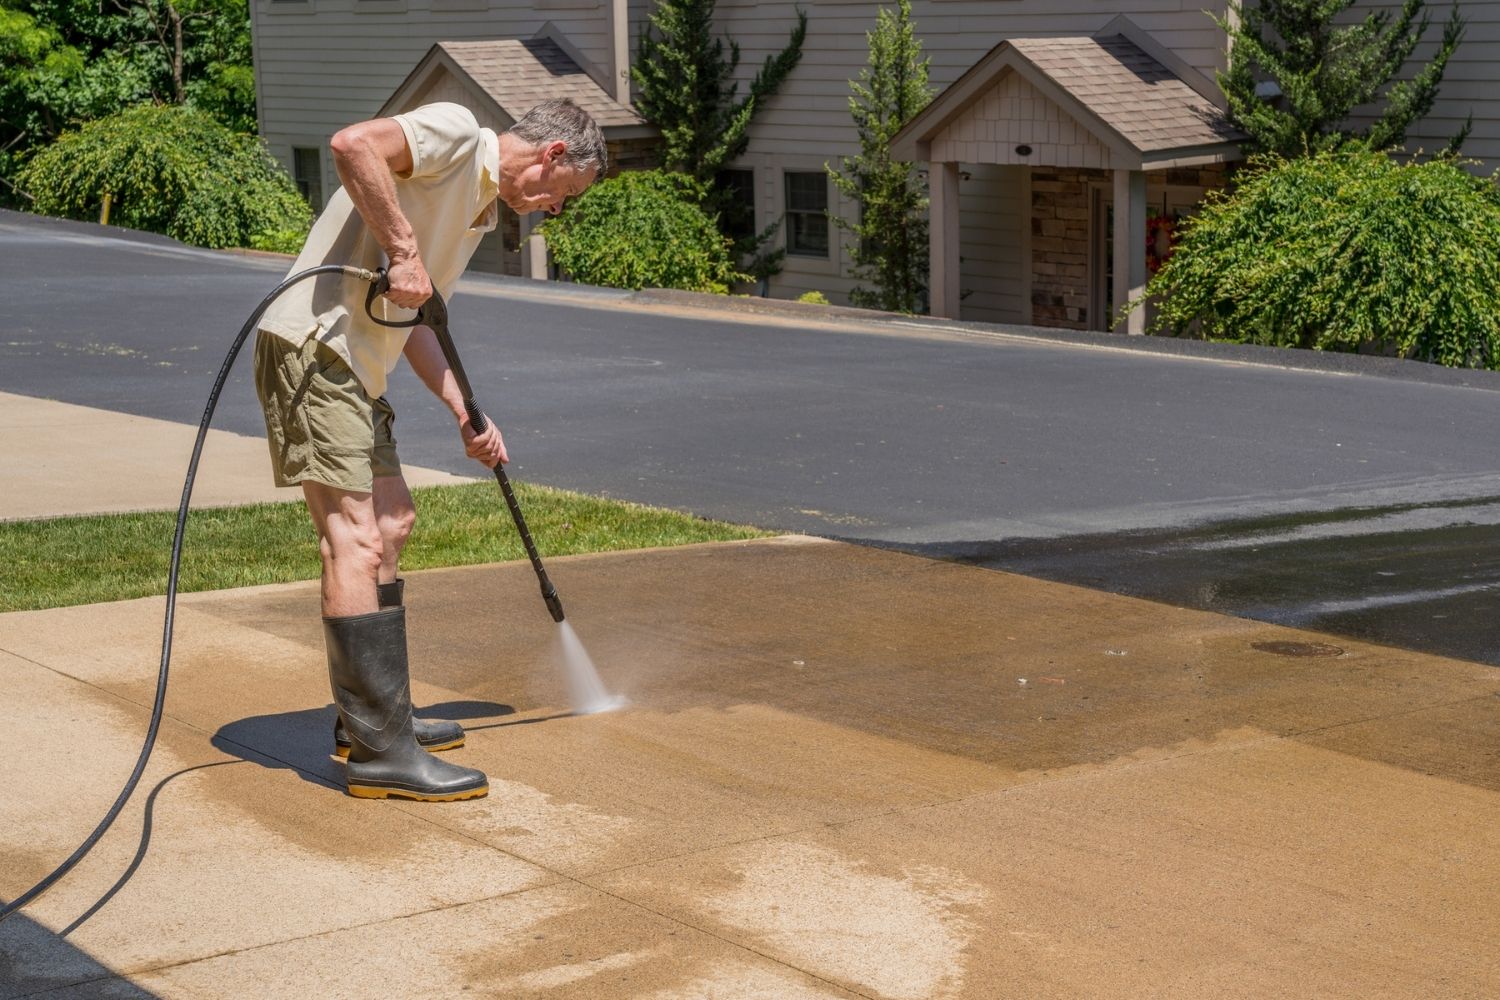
pixel 168 169
pixel 642 228
pixel 1341 251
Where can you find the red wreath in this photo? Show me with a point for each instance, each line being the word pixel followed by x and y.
pixel 1161 241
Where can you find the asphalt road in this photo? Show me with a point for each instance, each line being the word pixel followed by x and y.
pixel 1363 499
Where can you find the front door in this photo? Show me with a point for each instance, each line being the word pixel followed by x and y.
pixel 1168 207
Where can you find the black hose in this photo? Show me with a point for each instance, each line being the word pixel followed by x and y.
pixel 166 642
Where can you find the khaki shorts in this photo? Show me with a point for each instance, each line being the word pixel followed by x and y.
pixel 320 423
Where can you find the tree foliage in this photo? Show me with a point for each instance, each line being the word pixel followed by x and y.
pixel 640 229
pixel 688 90
pixel 64 62
pixel 1344 250
pixel 891 248
pixel 1325 71
pixel 171 170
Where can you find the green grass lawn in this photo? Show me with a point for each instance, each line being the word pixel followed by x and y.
pixel 82 560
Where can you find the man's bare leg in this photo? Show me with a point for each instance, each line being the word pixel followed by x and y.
pixel 394 515
pixel 350 544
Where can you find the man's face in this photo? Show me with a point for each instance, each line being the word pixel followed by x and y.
pixel 549 182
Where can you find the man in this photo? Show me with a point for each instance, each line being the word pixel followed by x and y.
pixel 419 191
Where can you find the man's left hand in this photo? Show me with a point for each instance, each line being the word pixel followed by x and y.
pixel 488 448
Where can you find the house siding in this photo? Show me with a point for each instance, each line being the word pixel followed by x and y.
pixel 1470 85
pixel 993 244
pixel 1016 113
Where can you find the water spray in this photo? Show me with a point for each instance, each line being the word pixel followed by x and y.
pixel 587 692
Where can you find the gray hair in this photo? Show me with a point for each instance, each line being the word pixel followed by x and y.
pixel 560 120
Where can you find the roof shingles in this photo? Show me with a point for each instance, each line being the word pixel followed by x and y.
pixel 1136 96
pixel 522 72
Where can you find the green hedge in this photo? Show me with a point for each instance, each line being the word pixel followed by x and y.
pixel 643 228
pixel 168 169
pixel 1342 251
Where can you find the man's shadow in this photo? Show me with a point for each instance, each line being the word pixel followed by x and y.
pixel 302 741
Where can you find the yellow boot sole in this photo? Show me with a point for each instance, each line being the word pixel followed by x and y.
pixel 343 752
pixel 374 792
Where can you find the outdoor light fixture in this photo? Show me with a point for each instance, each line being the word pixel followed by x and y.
pixel 1023 150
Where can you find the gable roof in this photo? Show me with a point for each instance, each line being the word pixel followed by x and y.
pixel 1143 101
pixel 1146 112
pixel 517 73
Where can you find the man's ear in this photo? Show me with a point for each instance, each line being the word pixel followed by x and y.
pixel 556 151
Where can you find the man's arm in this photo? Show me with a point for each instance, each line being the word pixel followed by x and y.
pixel 367 156
pixel 426 359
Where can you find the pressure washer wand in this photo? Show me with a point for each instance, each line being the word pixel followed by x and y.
pixel 434 315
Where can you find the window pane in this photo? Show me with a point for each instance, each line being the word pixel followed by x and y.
pixel 807 234
pixel 307 171
pixel 806 192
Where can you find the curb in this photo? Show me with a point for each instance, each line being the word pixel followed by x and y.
pixel 1292 358
pixel 755 305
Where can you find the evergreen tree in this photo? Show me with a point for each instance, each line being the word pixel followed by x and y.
pixel 688 90
pixel 891 249
pixel 1325 72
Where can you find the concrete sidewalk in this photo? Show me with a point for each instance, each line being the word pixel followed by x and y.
pixel 844 772
pixel 67 459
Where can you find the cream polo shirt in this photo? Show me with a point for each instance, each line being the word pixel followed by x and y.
pixel 449 199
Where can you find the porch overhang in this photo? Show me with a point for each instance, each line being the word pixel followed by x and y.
pixel 1119 89
pixel 1116 101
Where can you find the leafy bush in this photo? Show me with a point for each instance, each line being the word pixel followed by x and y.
pixel 814 297
pixel 171 170
pixel 282 241
pixel 642 228
pixel 1341 251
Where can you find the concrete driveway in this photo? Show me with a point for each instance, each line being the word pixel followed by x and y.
pixel 843 773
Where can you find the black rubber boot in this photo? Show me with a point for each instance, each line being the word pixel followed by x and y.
pixel 435 735
pixel 368 671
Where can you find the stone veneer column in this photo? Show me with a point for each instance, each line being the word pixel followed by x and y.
pixel 1060 217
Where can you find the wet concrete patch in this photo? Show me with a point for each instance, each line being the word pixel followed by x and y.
pixel 1418 576
pixel 999 669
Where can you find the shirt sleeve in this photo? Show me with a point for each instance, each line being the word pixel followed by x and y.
pixel 440 136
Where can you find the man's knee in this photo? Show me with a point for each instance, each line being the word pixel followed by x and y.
pixel 394 511
pixel 396 526
pixel 348 531
pixel 352 543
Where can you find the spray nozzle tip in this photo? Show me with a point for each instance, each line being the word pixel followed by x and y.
pixel 554 606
